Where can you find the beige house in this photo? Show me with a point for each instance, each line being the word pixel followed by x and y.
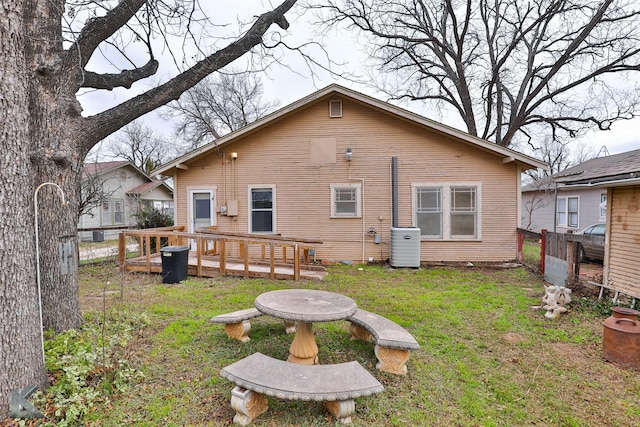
pixel 326 166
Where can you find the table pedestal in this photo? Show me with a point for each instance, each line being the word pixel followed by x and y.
pixel 304 349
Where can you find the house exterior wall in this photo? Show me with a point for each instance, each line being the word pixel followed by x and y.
pixel 623 241
pixel 304 154
pixel 538 209
pixel 115 184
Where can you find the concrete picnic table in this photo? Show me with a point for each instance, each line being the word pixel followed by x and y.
pixel 305 306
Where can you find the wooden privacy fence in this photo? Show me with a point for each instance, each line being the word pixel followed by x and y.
pixel 559 254
pixel 214 252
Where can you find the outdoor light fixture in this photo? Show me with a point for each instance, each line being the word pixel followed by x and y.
pixel 234 155
pixel 349 154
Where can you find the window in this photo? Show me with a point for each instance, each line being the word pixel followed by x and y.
pixel 112 212
pixel 567 214
pixel 463 211
pixel 345 200
pixel 603 206
pixel 118 212
pixel 261 210
pixel 429 211
pixel 447 211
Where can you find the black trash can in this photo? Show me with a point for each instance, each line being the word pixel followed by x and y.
pixel 175 263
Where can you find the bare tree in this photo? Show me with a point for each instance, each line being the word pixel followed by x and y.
pixel 503 66
pixel 218 105
pixel 91 193
pixel 538 195
pixel 140 145
pixel 558 154
pixel 46 47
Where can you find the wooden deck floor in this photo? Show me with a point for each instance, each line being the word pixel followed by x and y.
pixel 210 267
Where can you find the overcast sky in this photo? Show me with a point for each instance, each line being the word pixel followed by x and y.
pixel 288 85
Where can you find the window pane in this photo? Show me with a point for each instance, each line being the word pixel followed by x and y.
pixel 430 224
pixel 573 219
pixel 463 208
pixel 463 199
pixel 573 204
pixel 463 225
pixel 203 208
pixel 429 211
pixel 561 205
pixel 345 199
pixel 262 221
pixel 603 206
pixel 106 213
pixel 562 218
pixel 261 199
pixel 429 200
pixel 573 212
pixel 261 210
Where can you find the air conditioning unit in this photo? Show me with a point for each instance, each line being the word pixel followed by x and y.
pixel 404 248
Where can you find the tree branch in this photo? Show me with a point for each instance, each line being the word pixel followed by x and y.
pixel 97 30
pixel 124 79
pixel 101 125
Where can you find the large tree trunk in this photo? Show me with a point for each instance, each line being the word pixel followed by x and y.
pixel 21 362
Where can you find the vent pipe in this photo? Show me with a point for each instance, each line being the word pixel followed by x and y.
pixel 394 190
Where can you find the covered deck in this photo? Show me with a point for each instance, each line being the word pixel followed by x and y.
pixel 214 253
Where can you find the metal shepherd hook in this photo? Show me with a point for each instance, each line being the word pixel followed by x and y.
pixel 35 205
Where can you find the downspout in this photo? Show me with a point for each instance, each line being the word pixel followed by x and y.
pixel 362 209
pixel 394 191
pixel 555 207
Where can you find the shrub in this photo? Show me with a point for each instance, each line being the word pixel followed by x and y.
pixel 152 218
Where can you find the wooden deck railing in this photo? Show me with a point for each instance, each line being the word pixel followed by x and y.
pixel 211 244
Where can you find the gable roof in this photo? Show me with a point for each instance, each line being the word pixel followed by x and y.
pixel 508 155
pixel 101 168
pixel 148 186
pixel 618 169
pixel 98 168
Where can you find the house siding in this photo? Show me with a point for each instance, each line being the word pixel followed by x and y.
pixel 543 216
pixel 115 184
pixel 624 240
pixel 289 154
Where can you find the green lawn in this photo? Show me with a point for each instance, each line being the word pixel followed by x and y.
pixel 486 358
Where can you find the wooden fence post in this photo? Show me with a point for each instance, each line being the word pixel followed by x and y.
pixel 543 248
pixel 520 244
pixel 122 251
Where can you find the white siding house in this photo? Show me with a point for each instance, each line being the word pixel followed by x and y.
pixel 120 190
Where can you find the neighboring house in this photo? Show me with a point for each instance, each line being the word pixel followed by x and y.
pixel 118 190
pixel 552 205
pixel 322 168
pixel 619 177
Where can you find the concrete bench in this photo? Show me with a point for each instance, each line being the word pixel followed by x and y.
pixel 258 376
pixel 393 342
pixel 236 324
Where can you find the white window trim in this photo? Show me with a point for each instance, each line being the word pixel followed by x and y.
pixel 566 212
pixel 250 188
pixel 358 188
pixel 446 208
